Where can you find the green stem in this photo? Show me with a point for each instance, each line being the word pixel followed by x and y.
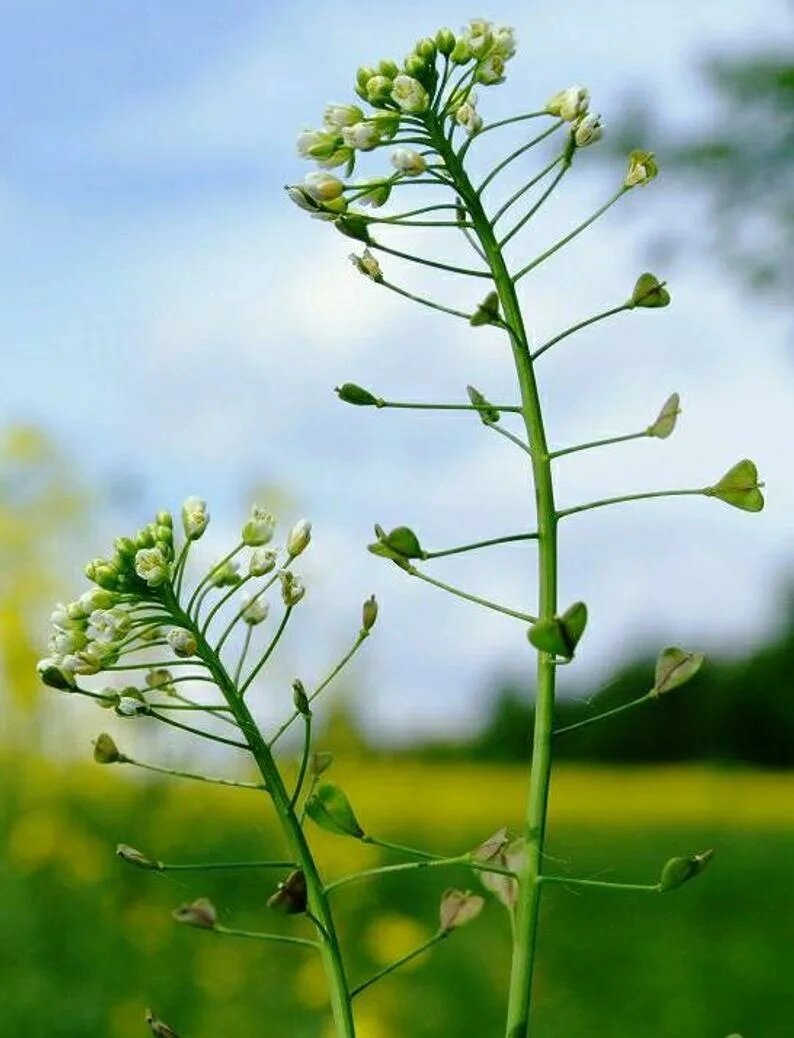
pixel 195 731
pixel 480 544
pixel 646 888
pixel 577 327
pixel 190 775
pixel 406 866
pixel 629 497
pixel 495 126
pixel 307 747
pixel 517 154
pixel 527 187
pixel 435 939
pixel 268 652
pixel 528 904
pixel 249 633
pixel 400 848
pixel 600 443
pixel 209 866
pixel 424 302
pixel 505 408
pixel 278 937
pixel 510 436
pixel 607 713
pixel 430 263
pixel 540 202
pixel 526 617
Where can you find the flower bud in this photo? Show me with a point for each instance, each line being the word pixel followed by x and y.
pixel 182 642
pixel 487 311
pixel 97 597
pixel 367 265
pixel 299 537
pixel 125 547
pixel 378 89
pixel 400 543
pixel 129 706
pixel 225 574
pixel 255 611
pixel 195 518
pixel 322 187
pixel 52 674
pixel 642 168
pixel 415 67
pixel 262 561
pixel 588 130
pixel 388 68
pixel 329 808
pixel 106 751
pixel 740 487
pixel 468 117
pixel 376 194
pixel 461 52
pixel 560 636
pixel 259 529
pixel 410 95
pixel 350 393
pixel 569 104
pixel 291 895
pixel 337 116
pixel 678 871
pixel 649 292
pixel 666 419
pixel 674 667
pixel 160 680
pixel 426 49
pixel 292 589
pixel 363 136
pixel 300 698
pixel 408 161
pixel 201 913
pixel 488 413
pixel 445 41
pixel 458 908
pixel 135 857
pixel 504 42
pixel 364 75
pixel 303 200
pixel 152 566
pixel 158 1028
pixel 354 225
pixel 369 613
pixel 320 763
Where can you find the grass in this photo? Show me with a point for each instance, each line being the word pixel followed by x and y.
pixel 88 943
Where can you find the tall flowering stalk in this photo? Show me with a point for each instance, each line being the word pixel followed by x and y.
pixel 426 112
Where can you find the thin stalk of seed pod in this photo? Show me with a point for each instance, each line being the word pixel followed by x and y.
pixel 435 939
pixel 400 848
pixel 511 436
pixel 471 239
pixel 607 713
pixel 268 651
pixel 629 497
pixel 430 263
pixel 528 904
pixel 155 665
pixel 442 206
pixel 527 187
pixel 443 80
pixel 474 545
pixel 468 73
pixel 279 938
pixel 179 568
pixel 223 600
pixel 600 443
pixel 360 639
pixel 208 708
pixel 194 731
pixel 416 223
pixel 569 237
pixel 577 327
pixel 193 776
pixel 645 888
pixel 517 154
pixel 406 866
pixel 329 948
pixel 424 302
pixel 211 866
pixel 526 617
pixel 218 565
pixel 307 749
pixel 254 598
pixel 533 209
pixel 495 126
pixel 243 653
pixel 410 405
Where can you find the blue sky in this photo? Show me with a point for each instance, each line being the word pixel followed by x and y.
pixel 179 327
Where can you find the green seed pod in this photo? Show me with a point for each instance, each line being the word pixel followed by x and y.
pixel 135 857
pixel 667 418
pixel 401 542
pixel 488 413
pixel 350 393
pixel 320 763
pixel 200 913
pixel 674 667
pixel 354 226
pixel 457 908
pixel 290 897
pixel 158 1028
pixel 560 636
pixel 329 808
pixel 369 613
pixel 300 699
pixel 678 871
pixel 487 311
pixel 106 751
pixel 649 292
pixel 740 487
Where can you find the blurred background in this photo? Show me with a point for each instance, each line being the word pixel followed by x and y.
pixel 173 326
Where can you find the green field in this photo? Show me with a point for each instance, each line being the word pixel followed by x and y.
pixel 89 942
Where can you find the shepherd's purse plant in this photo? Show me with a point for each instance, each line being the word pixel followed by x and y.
pixel 190 648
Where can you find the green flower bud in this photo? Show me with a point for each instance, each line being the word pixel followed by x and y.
pixel 354 226
pixel 195 518
pixel 426 49
pixel 642 168
pixel 488 413
pixel 674 667
pixel 560 636
pixel 182 641
pixel 106 576
pixel 125 547
pixel 369 613
pixel 135 857
pixel 666 419
pixel 329 808
pixel 487 311
pixel 291 896
pixel 408 161
pixel 569 104
pixel 259 529
pixel 458 908
pixel 678 871
pixel 200 913
pixel 402 543
pixel 649 292
pixel 588 130
pixel 350 393
pixel 157 1027
pixel 388 68
pixel 364 75
pixel 106 751
pixel 255 611
pixel 445 41
pixel 740 487
pixel 320 763
pixel 338 116
pixel 461 52
pixel 378 89
pixel 409 94
pixel 300 699
pixel 299 537
pixel 54 676
pixel 322 187
pixel 367 265
pixel 416 68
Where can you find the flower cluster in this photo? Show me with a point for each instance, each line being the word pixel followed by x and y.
pixel 401 97
pixel 135 602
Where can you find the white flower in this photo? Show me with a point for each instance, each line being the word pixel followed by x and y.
pixel 408 161
pixel 364 135
pixel 181 641
pixel 107 625
pixel 254 611
pixel 96 598
pixel 367 265
pixel 323 187
pixel 504 42
pixel 468 117
pixel 642 168
pixel 299 537
pixel 317 144
pixel 409 94
pixel 129 707
pixel 292 589
pixel 588 130
pixel 152 566
pixel 491 70
pixel 64 642
pixel 259 528
pixel 225 574
pixel 569 104
pixel 195 518
pixel 59 617
pixel 479 37
pixel 338 116
pixel 262 561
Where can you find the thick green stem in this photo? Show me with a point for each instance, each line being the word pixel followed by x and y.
pixel 528 906
pixel 299 849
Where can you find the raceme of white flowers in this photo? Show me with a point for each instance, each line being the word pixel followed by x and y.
pixel 138 604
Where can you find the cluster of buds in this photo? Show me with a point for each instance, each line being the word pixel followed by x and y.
pixel 397 94
pixel 573 106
